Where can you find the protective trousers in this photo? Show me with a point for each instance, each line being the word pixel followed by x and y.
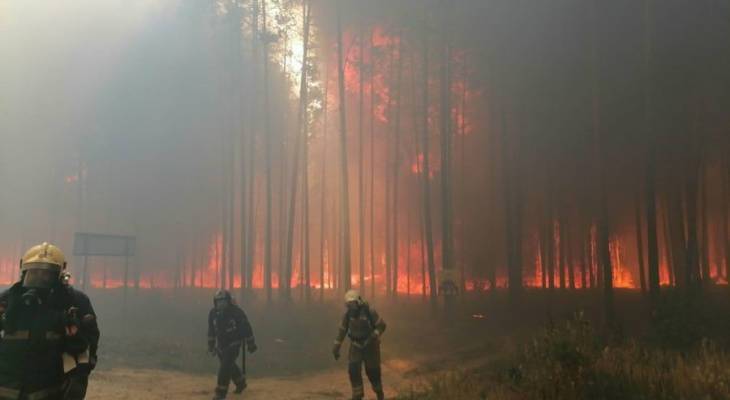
pixel 228 370
pixel 368 354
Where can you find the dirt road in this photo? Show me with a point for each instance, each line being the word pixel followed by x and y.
pixel 152 384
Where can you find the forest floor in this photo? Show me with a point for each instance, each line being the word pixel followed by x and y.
pixel 154 384
pixel 155 347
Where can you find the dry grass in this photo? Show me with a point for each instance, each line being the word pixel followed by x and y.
pixel 570 362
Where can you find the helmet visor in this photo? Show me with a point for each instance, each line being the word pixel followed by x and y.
pixel 42 278
pixel 221 304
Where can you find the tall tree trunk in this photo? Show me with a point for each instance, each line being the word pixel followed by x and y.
pixel 447 242
pixel 231 211
pixel 604 229
pixel 397 163
pixel 306 251
pixel 251 225
pixel 462 194
pixel 417 130
pixel 691 257
pixel 561 247
pixel 667 238
pixel 677 232
pixel 510 180
pixel 409 211
pixel 267 141
pixel 704 214
pixel 234 88
pixel 590 262
pixel 323 192
pixel 426 197
pixel 372 164
pixel 695 143
pixel 569 255
pixel 345 187
pixel 640 242
pixel 583 264
pixel 302 122
pixel 246 132
pixel 388 185
pixel 650 186
pixel 422 247
pixel 360 127
pixel 492 199
pixel 550 233
pixel 725 212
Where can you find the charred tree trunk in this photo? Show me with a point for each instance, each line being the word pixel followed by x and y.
pixel 447 241
pixel 603 232
pixel 561 248
pixel 244 210
pixel 583 264
pixel 387 245
pixel 569 256
pixel 462 183
pixel 302 122
pixel 417 130
pixel 677 237
pixel 510 180
pixel 397 162
pixel 267 142
pixel 409 211
pixel 695 142
pixel 323 182
pixel 345 187
pixel 360 191
pixel 640 242
pixel 650 185
pixel 372 165
pixel 590 260
pixel 725 176
pixel 306 250
pixel 692 270
pixel 704 214
pixel 550 235
pixel 426 197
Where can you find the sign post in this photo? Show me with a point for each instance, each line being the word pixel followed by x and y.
pixel 95 244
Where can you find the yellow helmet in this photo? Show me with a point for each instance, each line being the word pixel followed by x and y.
pixel 43 256
pixel 353 295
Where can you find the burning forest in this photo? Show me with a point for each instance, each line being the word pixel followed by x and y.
pixel 455 162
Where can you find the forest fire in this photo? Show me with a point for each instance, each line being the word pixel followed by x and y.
pixel 497 180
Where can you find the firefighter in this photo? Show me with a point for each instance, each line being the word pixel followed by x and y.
pixel 229 330
pixel 49 334
pixel 362 324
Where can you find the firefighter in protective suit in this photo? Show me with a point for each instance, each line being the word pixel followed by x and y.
pixel 49 333
pixel 362 324
pixel 228 331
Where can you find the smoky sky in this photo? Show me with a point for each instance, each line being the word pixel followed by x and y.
pixel 128 92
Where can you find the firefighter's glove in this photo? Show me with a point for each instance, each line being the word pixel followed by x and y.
pixel 75 386
pixel 251 347
pixel 75 344
pixel 336 351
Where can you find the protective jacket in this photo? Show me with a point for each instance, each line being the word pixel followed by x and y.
pixel 34 343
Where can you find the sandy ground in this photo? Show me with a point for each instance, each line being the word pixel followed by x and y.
pixel 152 384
